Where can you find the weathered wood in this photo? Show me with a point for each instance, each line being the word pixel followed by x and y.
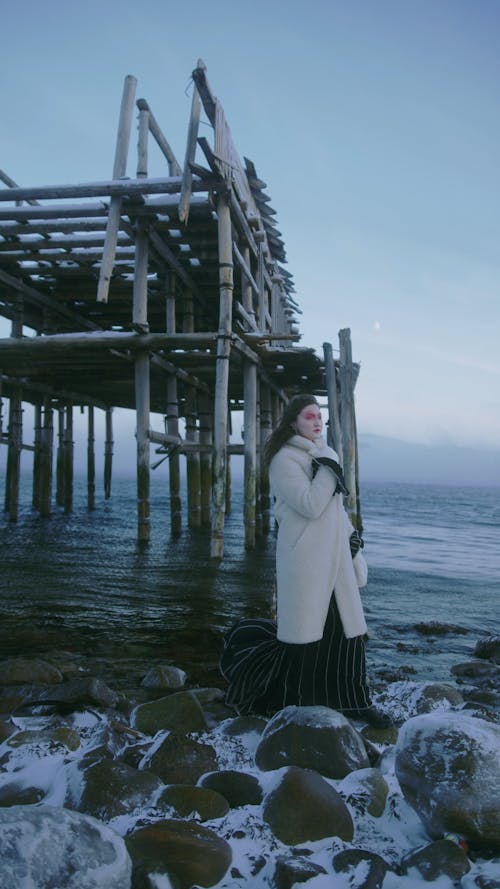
pixel 119 170
pixel 173 166
pixel 35 481
pixel 249 319
pixel 135 342
pixel 35 295
pixel 46 455
pixel 142 142
pixel 193 469
pixel 108 453
pixel 187 176
pixel 243 262
pixel 222 376
pixel 347 415
pixel 60 478
pixel 119 188
pixel 265 432
pixel 206 440
pixel 142 388
pixel 13 468
pixel 335 431
pixel 90 459
pixel 68 455
pixel 261 293
pixel 250 445
pixel 172 415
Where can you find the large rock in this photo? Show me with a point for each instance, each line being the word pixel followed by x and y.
pixel 405 699
pixel 442 857
pixel 180 712
pixel 164 676
pixel 86 691
pixel 366 869
pixel 488 648
pixel 188 801
pixel 305 807
pixel 180 760
pixel 239 788
pixel 47 847
pixel 366 791
pixel 114 788
pixel 448 766
pixel 295 869
pixel 313 738
pixel 29 671
pixel 189 853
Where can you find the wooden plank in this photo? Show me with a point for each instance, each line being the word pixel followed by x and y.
pixel 187 176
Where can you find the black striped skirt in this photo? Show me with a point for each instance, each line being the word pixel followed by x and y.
pixel 265 674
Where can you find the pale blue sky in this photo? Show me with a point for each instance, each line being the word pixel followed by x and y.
pixel 375 124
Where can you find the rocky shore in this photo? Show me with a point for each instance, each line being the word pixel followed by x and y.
pixel 113 776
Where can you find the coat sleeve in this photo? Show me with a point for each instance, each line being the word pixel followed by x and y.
pixel 291 483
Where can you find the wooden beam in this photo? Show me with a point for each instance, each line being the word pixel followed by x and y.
pixel 110 187
pixel 163 145
pixel 187 176
pixel 65 342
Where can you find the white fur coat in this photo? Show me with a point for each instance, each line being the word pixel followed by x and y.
pixel 312 556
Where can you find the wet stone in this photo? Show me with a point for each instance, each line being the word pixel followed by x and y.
pixel 113 788
pixel 441 858
pixel 371 867
pixel 313 738
pixel 187 800
pixel 293 870
pixel 181 760
pixel 190 853
pixel 239 788
pixel 304 807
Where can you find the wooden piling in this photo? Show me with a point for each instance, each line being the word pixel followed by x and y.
pixel 13 469
pixel 347 419
pixel 37 436
pixel 68 454
pixel 222 374
pixel 142 387
pixel 108 453
pixel 60 478
pixel 206 438
pixel 172 417
pixel 46 459
pixel 265 432
pixel 90 458
pixel 250 450
pixel 193 457
pixel 335 432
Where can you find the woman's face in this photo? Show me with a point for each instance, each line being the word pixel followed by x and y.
pixel 309 422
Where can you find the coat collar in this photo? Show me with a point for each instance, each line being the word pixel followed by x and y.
pixel 305 444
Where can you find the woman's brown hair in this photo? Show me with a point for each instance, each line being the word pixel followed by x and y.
pixel 285 428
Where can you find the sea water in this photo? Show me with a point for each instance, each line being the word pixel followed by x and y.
pixel 82 582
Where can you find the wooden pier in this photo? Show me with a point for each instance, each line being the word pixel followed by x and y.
pixel 168 296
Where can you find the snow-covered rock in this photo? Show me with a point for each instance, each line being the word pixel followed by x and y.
pixel 448 766
pixel 46 846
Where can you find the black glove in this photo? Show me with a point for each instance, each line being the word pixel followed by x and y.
pixel 335 468
pixel 356 543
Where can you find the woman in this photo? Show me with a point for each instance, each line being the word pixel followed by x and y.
pixel 315 653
